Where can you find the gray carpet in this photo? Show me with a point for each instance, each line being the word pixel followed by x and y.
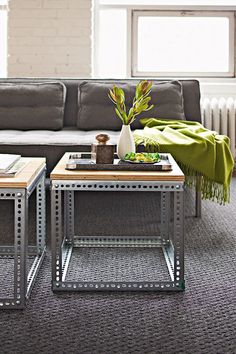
pixel 117 265
pixel 200 320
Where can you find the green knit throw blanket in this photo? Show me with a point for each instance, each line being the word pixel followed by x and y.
pixel 198 151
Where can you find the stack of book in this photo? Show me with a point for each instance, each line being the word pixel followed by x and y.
pixel 10 165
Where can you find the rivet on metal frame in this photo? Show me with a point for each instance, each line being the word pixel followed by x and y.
pixel 56 185
pixel 178 186
pixel 19 194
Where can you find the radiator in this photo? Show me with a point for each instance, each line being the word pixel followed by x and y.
pixel 219 114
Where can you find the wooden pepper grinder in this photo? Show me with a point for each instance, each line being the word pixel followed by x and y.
pixel 101 152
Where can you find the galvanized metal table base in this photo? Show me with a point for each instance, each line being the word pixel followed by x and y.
pixel 63 239
pixel 23 282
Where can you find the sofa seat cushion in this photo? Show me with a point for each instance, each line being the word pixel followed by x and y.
pixel 96 111
pixel 62 137
pixel 28 106
pixel 48 143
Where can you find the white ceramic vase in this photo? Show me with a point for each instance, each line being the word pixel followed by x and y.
pixel 126 142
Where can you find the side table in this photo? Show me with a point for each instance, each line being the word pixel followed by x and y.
pixel 18 189
pixel 64 241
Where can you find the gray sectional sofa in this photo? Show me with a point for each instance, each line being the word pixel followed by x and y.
pixel 49 116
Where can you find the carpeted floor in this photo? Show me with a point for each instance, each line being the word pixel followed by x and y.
pixel 200 320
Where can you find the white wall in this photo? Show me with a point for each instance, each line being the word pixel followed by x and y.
pixel 54 38
pixel 223 88
pixel 49 38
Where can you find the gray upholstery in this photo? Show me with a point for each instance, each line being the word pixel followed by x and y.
pixel 53 144
pixel 167 98
pixel 66 136
pixel 32 105
pixel 96 111
pixel 191 94
pixel 53 153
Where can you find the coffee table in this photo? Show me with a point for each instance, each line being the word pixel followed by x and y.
pixel 24 260
pixel 64 241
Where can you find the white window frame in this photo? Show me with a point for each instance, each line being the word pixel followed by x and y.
pixel 216 10
pixel 3 45
pixel 138 13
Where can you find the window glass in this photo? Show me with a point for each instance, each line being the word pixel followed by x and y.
pixel 3 43
pixel 134 40
pixel 169 2
pixel 183 44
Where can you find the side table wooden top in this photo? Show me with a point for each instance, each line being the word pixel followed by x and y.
pixel 24 178
pixel 60 173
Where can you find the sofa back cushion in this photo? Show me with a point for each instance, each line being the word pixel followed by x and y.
pixel 32 105
pixel 191 95
pixel 96 111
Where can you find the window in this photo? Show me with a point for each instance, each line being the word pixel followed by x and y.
pixel 156 38
pixel 183 43
pixel 3 38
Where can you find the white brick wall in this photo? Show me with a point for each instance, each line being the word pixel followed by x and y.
pixel 49 38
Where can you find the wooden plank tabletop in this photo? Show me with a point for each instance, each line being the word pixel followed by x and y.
pixel 24 178
pixel 60 173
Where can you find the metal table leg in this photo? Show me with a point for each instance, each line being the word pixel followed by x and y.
pixel 19 252
pixel 171 246
pixel 56 227
pixel 41 217
pixel 21 249
pixel 198 197
pixel 179 238
pixel 69 216
pixel 165 216
pixel 40 248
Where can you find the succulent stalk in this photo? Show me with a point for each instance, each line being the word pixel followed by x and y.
pixel 141 101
